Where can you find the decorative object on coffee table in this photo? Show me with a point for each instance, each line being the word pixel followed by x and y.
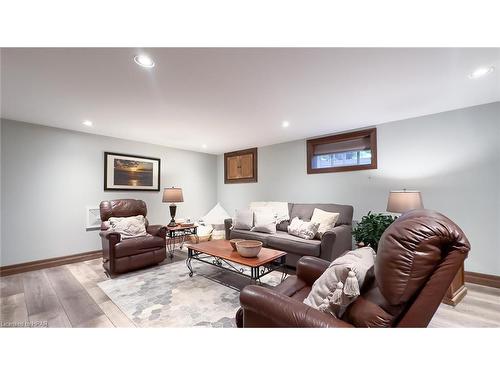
pixel 172 195
pixel 233 242
pixel 370 229
pixel 131 172
pixel 401 201
pixel 240 166
pixel 178 235
pixel 219 253
pixel 248 248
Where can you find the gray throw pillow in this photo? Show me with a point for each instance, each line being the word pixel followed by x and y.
pixel 264 221
pixel 243 219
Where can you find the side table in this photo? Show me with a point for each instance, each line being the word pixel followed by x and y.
pixel 178 234
pixel 457 290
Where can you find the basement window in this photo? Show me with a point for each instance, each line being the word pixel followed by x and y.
pixel 343 152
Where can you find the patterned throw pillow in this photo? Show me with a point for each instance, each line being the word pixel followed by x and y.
pixel 129 227
pixel 341 283
pixel 303 229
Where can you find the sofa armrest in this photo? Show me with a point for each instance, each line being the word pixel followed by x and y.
pixel 228 223
pixel 266 308
pixel 336 242
pixel 157 230
pixel 309 269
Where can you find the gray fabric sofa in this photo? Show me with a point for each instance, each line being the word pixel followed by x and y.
pixel 333 243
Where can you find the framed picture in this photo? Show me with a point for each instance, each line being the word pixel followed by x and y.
pixel 131 172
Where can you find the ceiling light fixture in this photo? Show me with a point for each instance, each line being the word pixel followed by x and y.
pixel 285 124
pixel 203 146
pixel 481 72
pixel 87 123
pixel 144 61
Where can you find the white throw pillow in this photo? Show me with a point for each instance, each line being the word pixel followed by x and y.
pixel 279 209
pixel 129 227
pixel 216 215
pixel 243 219
pixel 264 221
pixel 340 284
pixel 303 229
pixel 325 219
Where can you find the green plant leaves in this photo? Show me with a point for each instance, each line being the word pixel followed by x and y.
pixel 370 228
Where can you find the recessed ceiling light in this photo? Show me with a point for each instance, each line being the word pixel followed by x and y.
pixel 87 123
pixel 285 124
pixel 203 146
pixel 481 72
pixel 144 61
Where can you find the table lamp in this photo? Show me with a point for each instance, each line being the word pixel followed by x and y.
pixel 172 195
pixel 401 201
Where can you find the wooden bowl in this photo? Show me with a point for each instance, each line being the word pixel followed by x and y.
pixel 248 248
pixel 233 243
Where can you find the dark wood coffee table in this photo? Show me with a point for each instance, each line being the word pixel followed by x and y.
pixel 219 253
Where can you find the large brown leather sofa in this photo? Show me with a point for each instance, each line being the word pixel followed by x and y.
pixel 125 255
pixel 418 257
pixel 332 244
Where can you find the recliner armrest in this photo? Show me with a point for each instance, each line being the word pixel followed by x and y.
pixel 157 230
pixel 309 269
pixel 110 235
pixel 266 308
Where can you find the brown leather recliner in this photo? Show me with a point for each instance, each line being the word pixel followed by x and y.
pixel 121 256
pixel 418 257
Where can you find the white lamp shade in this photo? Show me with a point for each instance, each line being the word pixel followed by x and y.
pixel 401 201
pixel 172 195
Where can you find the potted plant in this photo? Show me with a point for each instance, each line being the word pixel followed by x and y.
pixel 370 229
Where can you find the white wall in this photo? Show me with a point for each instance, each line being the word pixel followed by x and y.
pixel 50 175
pixel 453 158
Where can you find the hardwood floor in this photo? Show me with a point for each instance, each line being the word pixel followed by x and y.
pixel 68 296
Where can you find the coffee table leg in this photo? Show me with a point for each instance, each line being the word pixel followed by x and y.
pixel 283 272
pixel 188 262
pixel 255 276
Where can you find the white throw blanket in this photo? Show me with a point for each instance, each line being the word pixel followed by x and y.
pixel 279 209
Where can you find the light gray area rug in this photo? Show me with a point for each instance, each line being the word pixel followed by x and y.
pixel 165 296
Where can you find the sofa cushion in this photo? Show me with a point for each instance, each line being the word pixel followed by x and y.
pixel 137 245
pixel 283 226
pixel 304 211
pixel 264 221
pixel 247 235
pixel 291 244
pixel 243 219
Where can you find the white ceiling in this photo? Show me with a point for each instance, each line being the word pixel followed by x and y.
pixel 233 98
